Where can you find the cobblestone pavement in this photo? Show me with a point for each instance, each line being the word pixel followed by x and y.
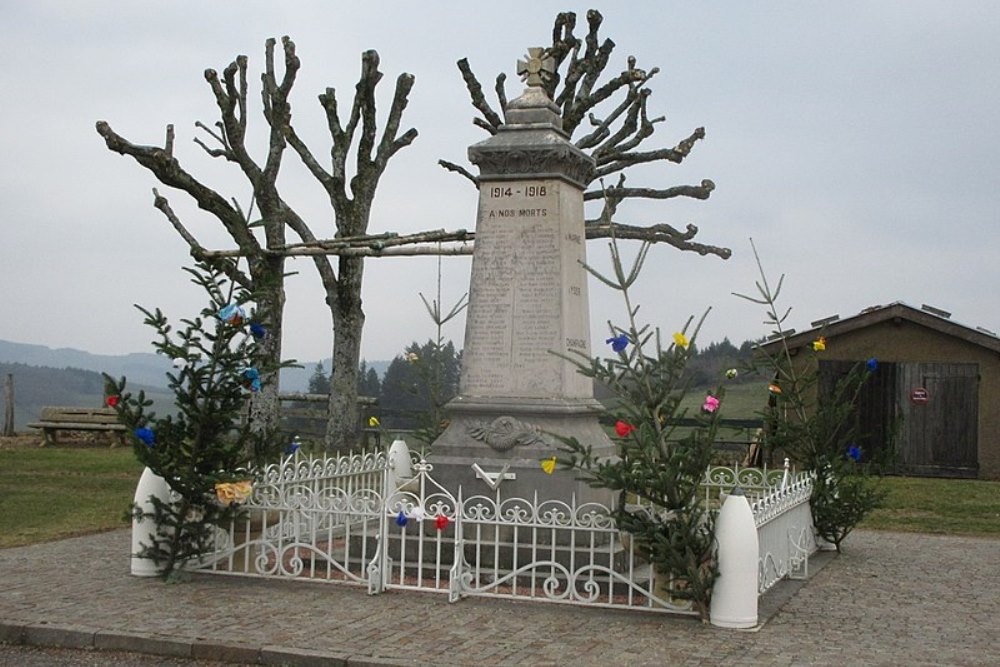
pixel 889 599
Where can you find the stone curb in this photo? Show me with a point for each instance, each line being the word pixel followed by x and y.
pixel 288 657
pixel 58 636
pixel 206 649
pixel 76 637
pixel 11 633
pixel 137 642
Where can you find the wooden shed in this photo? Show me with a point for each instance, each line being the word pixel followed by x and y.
pixel 940 379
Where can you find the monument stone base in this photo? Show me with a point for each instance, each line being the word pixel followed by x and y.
pixel 518 434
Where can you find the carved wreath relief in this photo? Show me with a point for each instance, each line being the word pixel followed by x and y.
pixel 505 433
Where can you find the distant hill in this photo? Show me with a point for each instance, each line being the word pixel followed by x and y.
pixel 140 367
pixel 143 368
pixel 70 377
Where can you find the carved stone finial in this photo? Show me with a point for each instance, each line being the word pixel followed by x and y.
pixel 537 68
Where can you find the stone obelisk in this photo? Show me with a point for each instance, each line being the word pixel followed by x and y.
pixel 527 306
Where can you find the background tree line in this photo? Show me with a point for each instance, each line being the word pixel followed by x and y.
pixel 416 385
pixel 424 377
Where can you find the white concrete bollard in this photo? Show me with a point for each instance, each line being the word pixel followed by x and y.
pixel 150 484
pixel 400 470
pixel 734 596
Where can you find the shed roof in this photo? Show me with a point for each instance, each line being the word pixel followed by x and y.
pixel 895 312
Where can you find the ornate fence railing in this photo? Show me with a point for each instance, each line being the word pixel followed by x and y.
pixel 784 531
pixel 487 545
pixel 307 517
pixel 362 519
pixel 756 482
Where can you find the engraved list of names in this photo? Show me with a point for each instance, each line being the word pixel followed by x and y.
pixel 527 293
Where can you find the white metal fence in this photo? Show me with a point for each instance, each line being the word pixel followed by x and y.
pixel 755 482
pixel 351 519
pixel 307 518
pixel 784 531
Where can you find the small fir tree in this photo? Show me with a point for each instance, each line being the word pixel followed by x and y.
pixel 205 452
pixel 818 429
pixel 658 470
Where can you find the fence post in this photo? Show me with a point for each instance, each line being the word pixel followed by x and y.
pixel 734 596
pixel 8 401
pixel 398 466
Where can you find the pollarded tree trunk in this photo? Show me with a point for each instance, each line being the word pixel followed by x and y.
pixel 265 407
pixel 349 318
pixel 351 200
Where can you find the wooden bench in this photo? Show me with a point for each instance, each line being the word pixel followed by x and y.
pixel 54 419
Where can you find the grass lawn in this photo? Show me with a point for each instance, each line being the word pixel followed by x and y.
pixel 944 506
pixel 52 493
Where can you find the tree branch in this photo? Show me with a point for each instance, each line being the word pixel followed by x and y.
pixel 327 275
pixel 617 161
pixel 501 91
pixel 475 89
pixel 228 98
pixel 339 150
pixel 563 43
pixel 619 193
pixel 313 165
pixel 161 203
pixel 359 253
pixel 614 138
pixel 225 151
pixel 364 101
pixel 375 245
pixel 169 172
pixel 386 240
pixel 584 72
pixel 279 111
pixel 390 143
pixel 198 252
pixel 451 166
pixel 659 233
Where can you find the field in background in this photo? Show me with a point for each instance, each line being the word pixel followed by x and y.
pixel 739 401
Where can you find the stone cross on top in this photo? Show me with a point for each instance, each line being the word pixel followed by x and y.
pixel 538 68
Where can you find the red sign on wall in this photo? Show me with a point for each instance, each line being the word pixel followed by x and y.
pixel 920 396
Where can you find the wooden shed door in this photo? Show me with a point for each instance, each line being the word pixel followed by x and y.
pixel 940 409
pixel 875 411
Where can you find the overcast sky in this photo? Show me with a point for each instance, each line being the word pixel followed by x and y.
pixel 856 142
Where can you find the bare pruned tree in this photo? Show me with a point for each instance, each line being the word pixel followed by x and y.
pixel 614 138
pixel 351 200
